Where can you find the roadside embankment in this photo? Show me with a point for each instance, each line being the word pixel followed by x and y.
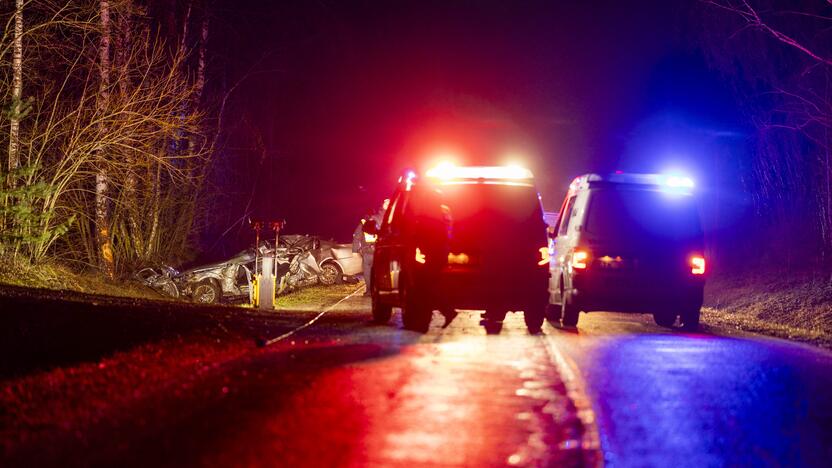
pixel 59 277
pixel 41 329
pixel 796 307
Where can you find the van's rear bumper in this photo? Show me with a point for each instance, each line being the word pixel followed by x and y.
pixel 480 290
pixel 632 293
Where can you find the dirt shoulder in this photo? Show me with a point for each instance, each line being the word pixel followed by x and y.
pixel 41 329
pixel 60 278
pixel 797 307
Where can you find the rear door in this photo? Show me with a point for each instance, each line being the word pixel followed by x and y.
pixel 388 249
pixel 561 245
pixel 647 233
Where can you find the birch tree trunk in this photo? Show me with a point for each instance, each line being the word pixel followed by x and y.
pixel 102 218
pixel 17 89
pixel 130 201
pixel 199 86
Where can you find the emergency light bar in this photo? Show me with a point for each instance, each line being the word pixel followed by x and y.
pixel 669 182
pixel 450 172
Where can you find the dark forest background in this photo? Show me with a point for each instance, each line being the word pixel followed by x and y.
pixel 143 131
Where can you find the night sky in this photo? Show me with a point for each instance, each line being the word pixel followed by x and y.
pixel 348 94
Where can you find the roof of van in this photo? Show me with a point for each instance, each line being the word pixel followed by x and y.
pixel 676 183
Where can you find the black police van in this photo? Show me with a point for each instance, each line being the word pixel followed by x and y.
pixel 462 237
pixel 628 243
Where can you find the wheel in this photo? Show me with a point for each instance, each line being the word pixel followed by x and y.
pixel 206 292
pixel 534 316
pixel 449 314
pixel 553 313
pixel 569 312
pixel 331 274
pixel 690 319
pixel 416 314
pixel 664 318
pixel 492 320
pixel 493 327
pixel 381 312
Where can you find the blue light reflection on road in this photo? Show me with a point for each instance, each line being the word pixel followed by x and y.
pixel 672 400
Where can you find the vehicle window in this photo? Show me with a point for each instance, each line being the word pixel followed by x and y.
pixel 638 215
pixel 241 277
pixel 392 211
pixel 566 216
pixel 422 217
pixel 494 214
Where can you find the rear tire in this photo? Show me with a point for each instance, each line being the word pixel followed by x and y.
pixel 381 312
pixel 553 313
pixel 331 274
pixel 569 312
pixel 206 292
pixel 664 319
pixel 416 314
pixel 534 317
pixel 690 319
pixel 492 327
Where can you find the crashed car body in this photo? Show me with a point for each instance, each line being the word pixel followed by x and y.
pixel 160 279
pixel 335 260
pixel 302 261
pixel 229 280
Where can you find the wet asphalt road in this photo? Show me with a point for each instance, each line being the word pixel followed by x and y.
pixel 619 391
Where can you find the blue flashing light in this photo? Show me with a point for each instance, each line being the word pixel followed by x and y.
pixel 671 183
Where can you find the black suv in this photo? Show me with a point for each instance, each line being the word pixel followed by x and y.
pixel 628 243
pixel 462 238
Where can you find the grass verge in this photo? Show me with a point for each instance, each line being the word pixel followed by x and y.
pixel 316 297
pixel 795 307
pixel 51 275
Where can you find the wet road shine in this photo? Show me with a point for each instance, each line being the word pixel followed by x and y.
pixel 619 391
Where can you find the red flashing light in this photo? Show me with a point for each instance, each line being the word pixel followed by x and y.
pixel 447 171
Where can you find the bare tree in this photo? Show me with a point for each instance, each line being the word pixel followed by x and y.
pixel 106 176
pixel 102 218
pixel 778 59
pixel 17 89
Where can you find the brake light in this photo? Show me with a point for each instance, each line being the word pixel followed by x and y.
pixel 697 265
pixel 579 259
pixel 544 256
pixel 420 257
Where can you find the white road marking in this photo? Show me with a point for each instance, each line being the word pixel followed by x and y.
pixel 311 321
pixel 576 391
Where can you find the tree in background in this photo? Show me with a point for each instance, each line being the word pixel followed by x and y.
pixel 114 147
pixel 777 56
pixel 16 108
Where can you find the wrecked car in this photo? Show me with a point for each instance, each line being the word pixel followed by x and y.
pixel 336 261
pixel 160 279
pixel 228 281
pixel 231 280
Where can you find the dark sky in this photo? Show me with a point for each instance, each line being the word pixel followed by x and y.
pixel 348 94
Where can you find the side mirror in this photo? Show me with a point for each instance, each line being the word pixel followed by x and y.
pixel 370 228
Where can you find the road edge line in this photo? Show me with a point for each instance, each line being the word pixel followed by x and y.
pixel 263 343
pixel 576 392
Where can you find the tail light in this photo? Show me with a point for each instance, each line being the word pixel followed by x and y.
pixel 579 259
pixel 697 265
pixel 544 256
pixel 420 257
